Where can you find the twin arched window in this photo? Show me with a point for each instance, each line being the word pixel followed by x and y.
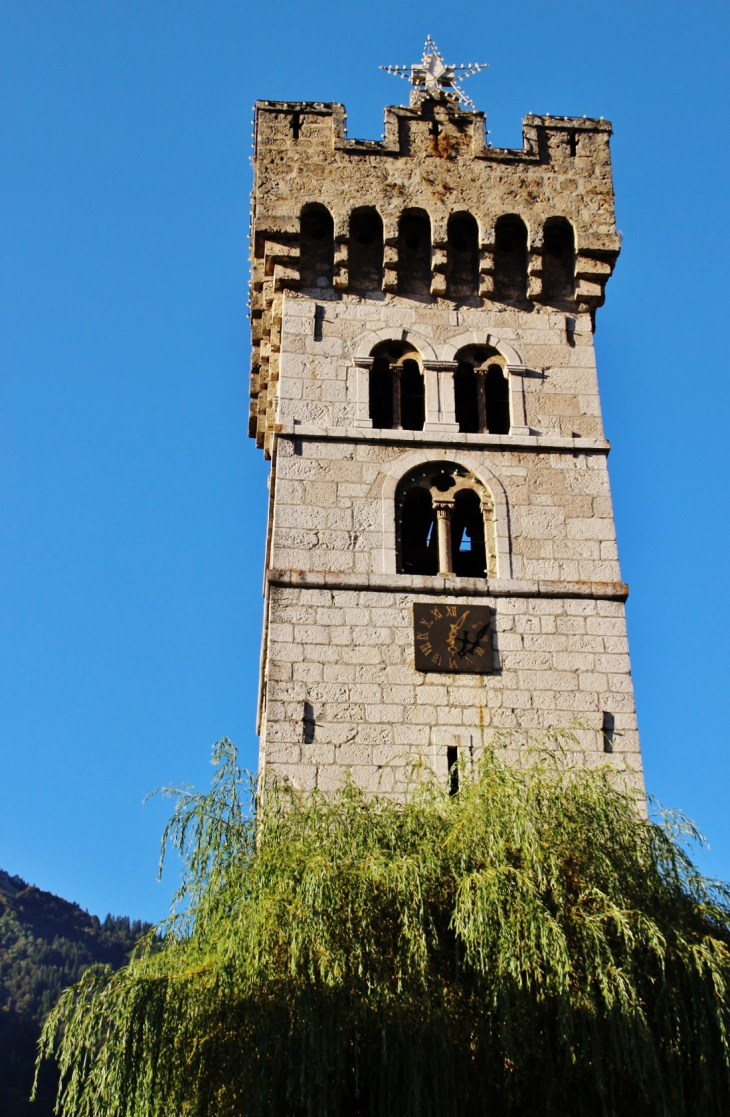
pixel 445 523
pixel 397 393
pixel 397 398
pixel 481 392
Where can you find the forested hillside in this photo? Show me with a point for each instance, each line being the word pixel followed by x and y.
pixel 46 943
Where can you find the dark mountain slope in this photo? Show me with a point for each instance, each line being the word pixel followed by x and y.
pixel 46 943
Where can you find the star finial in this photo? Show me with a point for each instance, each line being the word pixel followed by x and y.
pixel 432 73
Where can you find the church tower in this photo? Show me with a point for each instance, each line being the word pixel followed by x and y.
pixel 441 556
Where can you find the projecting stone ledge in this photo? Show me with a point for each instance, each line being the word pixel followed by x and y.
pixel 451 586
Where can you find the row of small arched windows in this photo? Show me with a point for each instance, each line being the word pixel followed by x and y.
pixel 365 255
pixel 398 399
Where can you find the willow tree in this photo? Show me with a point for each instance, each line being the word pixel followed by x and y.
pixel 532 945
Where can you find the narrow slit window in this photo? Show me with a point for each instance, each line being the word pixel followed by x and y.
pixel 452 764
pixel 308 724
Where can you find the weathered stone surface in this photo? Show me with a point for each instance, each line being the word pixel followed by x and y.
pixel 339 688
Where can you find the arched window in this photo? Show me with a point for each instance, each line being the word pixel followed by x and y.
pixel 397 390
pixel 510 259
pixel 444 522
pixel 365 252
pixel 496 396
pixel 468 553
pixel 419 548
pixel 481 392
pixel 558 262
pixel 414 253
pixel 462 257
pixel 316 248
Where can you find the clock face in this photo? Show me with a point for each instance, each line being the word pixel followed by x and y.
pixel 453 638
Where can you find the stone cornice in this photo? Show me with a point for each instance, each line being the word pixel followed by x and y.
pixel 539 442
pixel 447 585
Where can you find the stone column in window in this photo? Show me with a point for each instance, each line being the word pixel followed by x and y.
pixel 481 400
pixel 443 510
pixel 395 372
pixel 490 544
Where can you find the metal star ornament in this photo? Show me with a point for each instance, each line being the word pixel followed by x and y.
pixel 432 73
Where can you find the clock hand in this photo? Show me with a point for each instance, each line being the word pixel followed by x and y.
pixel 453 629
pixel 467 645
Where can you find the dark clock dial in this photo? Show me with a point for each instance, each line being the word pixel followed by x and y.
pixel 453 638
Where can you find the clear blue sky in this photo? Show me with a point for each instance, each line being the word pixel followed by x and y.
pixel 132 506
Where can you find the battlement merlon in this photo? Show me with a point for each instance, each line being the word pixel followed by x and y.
pixel 434 156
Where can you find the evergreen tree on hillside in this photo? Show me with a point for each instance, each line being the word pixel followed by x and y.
pixel 46 944
pixel 531 945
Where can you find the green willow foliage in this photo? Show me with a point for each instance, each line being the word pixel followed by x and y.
pixel 530 946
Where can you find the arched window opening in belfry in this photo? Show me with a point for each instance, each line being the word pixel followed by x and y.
pixel 481 391
pixel 413 397
pixel 510 259
pixel 381 394
pixel 365 251
pixel 419 542
pixel 462 257
pixel 496 392
pixel 316 248
pixel 558 262
pixel 469 556
pixel 414 253
pixel 397 389
pixel 444 523
pixel 466 397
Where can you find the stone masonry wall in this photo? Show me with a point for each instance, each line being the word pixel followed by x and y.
pixel 349 654
pixel 339 687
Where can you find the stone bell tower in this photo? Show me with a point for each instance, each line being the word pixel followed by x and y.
pixel 441 557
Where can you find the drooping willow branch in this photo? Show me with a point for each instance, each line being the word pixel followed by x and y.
pixel 531 945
